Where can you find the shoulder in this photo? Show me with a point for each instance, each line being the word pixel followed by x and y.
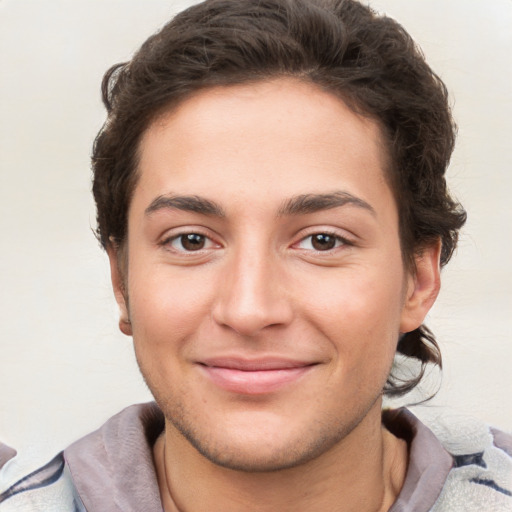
pixel 49 488
pixel 481 474
pixel 110 469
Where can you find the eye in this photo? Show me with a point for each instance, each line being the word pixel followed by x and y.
pixel 321 242
pixel 189 242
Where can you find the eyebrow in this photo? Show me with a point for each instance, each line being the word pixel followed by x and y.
pixel 311 203
pixel 194 204
pixel 298 205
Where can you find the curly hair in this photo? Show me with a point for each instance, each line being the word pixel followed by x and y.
pixel 367 60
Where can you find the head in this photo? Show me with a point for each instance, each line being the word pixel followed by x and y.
pixel 225 115
pixel 368 61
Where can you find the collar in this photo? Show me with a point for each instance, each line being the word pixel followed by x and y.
pixel 113 468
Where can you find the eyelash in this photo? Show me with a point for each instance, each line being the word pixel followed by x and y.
pixel 340 241
pixel 168 242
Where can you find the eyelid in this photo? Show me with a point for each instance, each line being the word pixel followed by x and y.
pixel 208 244
pixel 176 233
pixel 345 240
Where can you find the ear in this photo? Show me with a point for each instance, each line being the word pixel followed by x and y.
pixel 423 287
pixel 118 285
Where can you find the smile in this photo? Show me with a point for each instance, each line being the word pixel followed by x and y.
pixel 254 377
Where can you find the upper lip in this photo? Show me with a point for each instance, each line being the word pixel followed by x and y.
pixel 254 364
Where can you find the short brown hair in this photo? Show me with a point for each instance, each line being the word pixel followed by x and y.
pixel 340 45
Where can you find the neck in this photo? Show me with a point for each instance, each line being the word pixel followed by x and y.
pixel 363 472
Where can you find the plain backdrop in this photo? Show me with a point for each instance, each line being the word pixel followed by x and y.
pixel 64 367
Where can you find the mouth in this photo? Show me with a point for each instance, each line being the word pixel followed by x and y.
pixel 254 376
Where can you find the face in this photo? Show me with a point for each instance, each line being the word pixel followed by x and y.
pixel 265 287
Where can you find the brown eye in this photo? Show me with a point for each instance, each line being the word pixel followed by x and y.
pixel 323 242
pixel 190 242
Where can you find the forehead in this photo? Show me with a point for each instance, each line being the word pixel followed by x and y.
pixel 283 137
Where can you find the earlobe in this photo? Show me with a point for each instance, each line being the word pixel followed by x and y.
pixel 422 289
pixel 118 286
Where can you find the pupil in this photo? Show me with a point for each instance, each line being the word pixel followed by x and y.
pixel 323 242
pixel 192 241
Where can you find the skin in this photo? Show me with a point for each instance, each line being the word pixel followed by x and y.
pixel 262 284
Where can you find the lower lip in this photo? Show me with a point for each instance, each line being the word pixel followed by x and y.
pixel 255 382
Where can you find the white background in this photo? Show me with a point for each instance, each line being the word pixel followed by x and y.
pixel 64 368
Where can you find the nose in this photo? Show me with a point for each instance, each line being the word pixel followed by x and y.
pixel 252 295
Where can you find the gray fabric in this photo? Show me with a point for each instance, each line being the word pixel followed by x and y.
pixel 48 489
pixel 462 468
pixel 428 468
pixel 502 440
pixel 6 454
pixel 113 467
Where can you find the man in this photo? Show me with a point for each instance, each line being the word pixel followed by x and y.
pixel 271 195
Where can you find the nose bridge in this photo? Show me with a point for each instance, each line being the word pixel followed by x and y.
pixel 251 295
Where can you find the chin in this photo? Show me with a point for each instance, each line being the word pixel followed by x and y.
pixel 269 443
pixel 259 456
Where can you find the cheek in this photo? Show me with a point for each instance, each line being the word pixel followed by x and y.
pixel 165 312
pixel 165 307
pixel 359 312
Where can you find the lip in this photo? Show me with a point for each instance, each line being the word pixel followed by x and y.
pixel 254 376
